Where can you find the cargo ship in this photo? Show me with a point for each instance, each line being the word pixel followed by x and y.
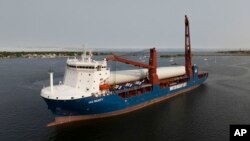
pixel 90 90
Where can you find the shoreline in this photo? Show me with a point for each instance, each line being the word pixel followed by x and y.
pixel 219 53
pixel 203 55
pixel 46 54
pixel 65 54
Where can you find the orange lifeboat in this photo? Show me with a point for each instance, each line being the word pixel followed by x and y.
pixel 104 87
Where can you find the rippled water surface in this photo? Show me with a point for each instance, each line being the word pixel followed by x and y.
pixel 203 114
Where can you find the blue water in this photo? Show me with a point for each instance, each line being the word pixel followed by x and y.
pixel 203 114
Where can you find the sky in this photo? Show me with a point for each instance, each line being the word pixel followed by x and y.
pixel 123 24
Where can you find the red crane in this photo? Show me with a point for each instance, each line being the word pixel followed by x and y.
pixel 188 55
pixel 152 66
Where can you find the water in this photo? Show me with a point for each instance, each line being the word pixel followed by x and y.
pixel 201 115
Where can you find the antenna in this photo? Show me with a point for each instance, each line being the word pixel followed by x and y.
pixel 84 51
pixel 90 53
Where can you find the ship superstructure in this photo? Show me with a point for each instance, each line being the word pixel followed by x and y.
pixel 90 90
pixel 83 77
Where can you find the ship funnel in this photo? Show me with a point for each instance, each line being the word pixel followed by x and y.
pixel 51 79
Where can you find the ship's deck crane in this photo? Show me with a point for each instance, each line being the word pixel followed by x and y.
pixel 188 55
pixel 152 66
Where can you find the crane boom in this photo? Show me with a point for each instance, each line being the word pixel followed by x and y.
pixel 152 66
pixel 119 59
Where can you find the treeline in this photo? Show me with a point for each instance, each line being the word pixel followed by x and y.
pixel 219 53
pixel 5 54
pixel 235 52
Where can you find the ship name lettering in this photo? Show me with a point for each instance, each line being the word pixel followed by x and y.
pixel 96 100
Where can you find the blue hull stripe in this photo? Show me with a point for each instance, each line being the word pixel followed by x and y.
pixel 113 103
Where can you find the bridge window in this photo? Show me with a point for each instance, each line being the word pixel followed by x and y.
pixel 81 67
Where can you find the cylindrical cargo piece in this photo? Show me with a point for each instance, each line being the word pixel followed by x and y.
pixel 123 76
